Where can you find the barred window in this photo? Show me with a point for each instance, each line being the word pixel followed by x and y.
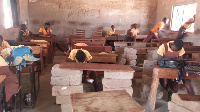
pixel 10 13
pixel 181 14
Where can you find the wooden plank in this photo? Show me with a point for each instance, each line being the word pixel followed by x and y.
pixel 123 32
pixel 98 49
pixel 80 33
pixel 104 58
pixel 89 41
pixel 100 57
pixel 96 67
pixel 141 36
pixel 115 38
pixel 105 101
pixel 188 97
pixel 97 33
pixel 2 78
pixel 170 73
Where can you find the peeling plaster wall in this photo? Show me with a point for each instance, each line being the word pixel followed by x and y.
pixel 12 33
pixel 67 15
pixel 164 8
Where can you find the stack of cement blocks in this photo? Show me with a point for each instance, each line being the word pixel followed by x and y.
pixel 118 81
pixel 152 54
pixel 130 54
pixel 120 47
pixel 179 105
pixel 65 82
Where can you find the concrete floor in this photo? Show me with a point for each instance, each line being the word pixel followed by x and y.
pixel 45 100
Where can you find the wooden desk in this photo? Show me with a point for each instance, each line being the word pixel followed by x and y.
pixel 51 49
pixel 96 49
pixel 104 58
pixel 105 101
pixel 140 37
pixel 120 32
pixel 100 58
pixel 115 38
pixel 89 41
pixel 167 73
pixel 96 67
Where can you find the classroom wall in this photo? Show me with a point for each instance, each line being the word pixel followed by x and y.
pixel 12 33
pixel 164 8
pixel 67 15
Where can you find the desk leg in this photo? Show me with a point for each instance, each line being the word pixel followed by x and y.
pixel 32 84
pixel 153 92
pixel 20 92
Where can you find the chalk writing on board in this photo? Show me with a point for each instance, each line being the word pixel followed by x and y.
pixel 84 13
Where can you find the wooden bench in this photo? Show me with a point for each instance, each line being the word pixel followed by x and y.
pixel 100 58
pixel 167 73
pixel 89 41
pixel 191 52
pixel 97 33
pixel 158 42
pixel 80 33
pixel 98 49
pixel 114 38
pixel 104 101
pixel 140 37
pixel 120 32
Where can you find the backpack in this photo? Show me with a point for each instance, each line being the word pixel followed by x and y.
pixel 173 63
pixel 182 66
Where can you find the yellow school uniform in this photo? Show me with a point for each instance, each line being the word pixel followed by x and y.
pixel 72 55
pixel 161 50
pixel 4 45
pixel 110 32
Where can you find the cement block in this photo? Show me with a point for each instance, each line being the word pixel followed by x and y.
pixel 66 90
pixel 139 44
pixel 133 62
pixel 119 50
pixel 118 75
pixel 146 79
pixel 130 51
pixel 116 83
pixel 194 106
pixel 129 90
pixel 152 54
pixel 145 92
pixel 173 107
pixel 119 44
pixel 148 66
pixel 67 81
pixel 132 57
pixel 124 55
pixel 60 81
pixel 122 61
pixel 66 108
pixel 56 71
pixel 63 99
